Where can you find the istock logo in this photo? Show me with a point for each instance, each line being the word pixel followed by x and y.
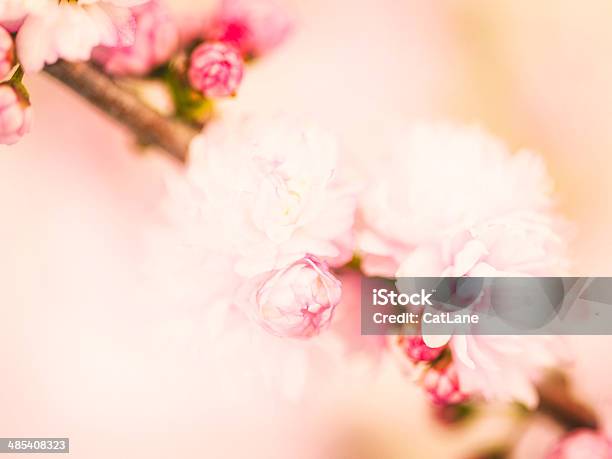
pixel 384 297
pixel 487 305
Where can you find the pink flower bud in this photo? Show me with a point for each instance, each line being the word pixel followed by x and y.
pixel 156 38
pixel 216 69
pixel 15 115
pixel 252 26
pixel 297 301
pixel 442 385
pixel 583 443
pixel 7 53
pixel 416 350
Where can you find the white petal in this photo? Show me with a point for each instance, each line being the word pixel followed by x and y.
pixel 436 340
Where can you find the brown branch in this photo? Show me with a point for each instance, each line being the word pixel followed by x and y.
pixel 149 126
pixel 556 401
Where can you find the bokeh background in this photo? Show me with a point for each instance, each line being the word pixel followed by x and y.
pixel 91 347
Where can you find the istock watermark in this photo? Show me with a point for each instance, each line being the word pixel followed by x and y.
pixel 384 297
pixel 487 306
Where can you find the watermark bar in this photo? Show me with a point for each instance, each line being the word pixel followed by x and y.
pixel 35 445
pixel 487 306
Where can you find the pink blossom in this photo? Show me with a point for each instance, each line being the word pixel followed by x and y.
pixel 416 350
pixel 272 189
pixel 70 30
pixel 156 38
pixel 297 301
pixel 442 385
pixel 7 57
pixel 262 198
pixel 216 69
pixel 503 368
pixel 253 26
pixel 581 444
pixel 451 201
pixel 15 115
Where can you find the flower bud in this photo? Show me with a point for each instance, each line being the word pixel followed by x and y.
pixel 7 53
pixel 254 27
pixel 416 350
pixel 156 38
pixel 15 115
pixel 442 385
pixel 297 301
pixel 583 443
pixel 216 69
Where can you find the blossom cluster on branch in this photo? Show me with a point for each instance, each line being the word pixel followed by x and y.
pixel 265 216
pixel 266 196
pixel 451 201
pixel 136 39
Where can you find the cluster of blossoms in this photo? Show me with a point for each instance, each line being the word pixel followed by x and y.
pixel 137 38
pixel 437 374
pixel 448 201
pixel 454 201
pixel 238 30
pixel 263 205
pixel 265 197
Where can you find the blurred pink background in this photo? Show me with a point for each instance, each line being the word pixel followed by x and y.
pixel 93 348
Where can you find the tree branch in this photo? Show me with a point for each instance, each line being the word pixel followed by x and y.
pixel 149 126
pixel 556 401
